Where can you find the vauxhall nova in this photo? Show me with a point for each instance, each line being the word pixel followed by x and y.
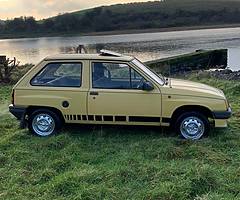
pixel 110 88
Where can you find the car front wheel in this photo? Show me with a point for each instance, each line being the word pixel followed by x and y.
pixel 192 125
pixel 43 123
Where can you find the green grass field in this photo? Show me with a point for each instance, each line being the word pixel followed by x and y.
pixel 120 162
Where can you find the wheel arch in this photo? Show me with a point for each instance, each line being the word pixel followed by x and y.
pixel 31 109
pixel 191 108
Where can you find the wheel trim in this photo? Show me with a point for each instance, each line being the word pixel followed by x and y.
pixel 43 124
pixel 192 128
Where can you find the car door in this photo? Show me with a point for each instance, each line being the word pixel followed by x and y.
pixel 116 95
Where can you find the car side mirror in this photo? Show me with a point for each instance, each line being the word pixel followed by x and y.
pixel 147 86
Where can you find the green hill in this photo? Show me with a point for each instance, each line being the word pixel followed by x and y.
pixel 170 6
pixel 132 16
pixel 161 14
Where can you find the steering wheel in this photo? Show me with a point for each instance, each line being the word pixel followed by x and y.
pixel 139 86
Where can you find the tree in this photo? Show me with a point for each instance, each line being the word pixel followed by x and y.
pixel 30 24
pixel 21 24
pixel 66 22
pixel 48 25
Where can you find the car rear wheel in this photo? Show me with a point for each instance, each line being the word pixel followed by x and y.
pixel 192 125
pixel 44 123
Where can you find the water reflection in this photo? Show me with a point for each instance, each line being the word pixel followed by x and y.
pixel 145 46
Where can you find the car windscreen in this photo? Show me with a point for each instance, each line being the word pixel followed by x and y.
pixel 158 78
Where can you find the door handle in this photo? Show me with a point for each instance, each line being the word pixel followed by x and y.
pixel 93 93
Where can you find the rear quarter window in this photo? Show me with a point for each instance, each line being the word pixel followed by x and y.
pixel 59 75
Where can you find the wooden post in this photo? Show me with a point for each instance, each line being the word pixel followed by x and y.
pixel 81 49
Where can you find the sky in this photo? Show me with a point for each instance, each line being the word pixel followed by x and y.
pixel 45 8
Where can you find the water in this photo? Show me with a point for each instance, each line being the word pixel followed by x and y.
pixel 145 46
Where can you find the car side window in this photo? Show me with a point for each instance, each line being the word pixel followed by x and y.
pixel 59 75
pixel 115 76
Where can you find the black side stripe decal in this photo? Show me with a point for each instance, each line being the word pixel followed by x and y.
pixel 90 117
pixel 144 119
pixel 166 120
pixel 109 118
pixel 98 118
pixel 120 118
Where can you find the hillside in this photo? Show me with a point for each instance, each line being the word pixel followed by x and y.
pixel 170 6
pixel 120 162
pixel 159 14
pixel 132 16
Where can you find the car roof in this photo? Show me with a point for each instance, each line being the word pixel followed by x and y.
pixel 89 57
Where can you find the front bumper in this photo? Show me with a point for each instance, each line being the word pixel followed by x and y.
pixel 222 114
pixel 18 112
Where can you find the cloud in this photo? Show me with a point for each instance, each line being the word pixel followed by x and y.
pixel 46 8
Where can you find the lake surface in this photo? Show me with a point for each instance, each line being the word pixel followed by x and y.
pixel 146 46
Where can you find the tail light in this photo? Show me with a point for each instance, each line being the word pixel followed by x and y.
pixel 12 99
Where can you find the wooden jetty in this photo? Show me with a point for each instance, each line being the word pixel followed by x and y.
pixel 199 60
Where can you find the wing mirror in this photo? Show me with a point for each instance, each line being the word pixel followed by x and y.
pixel 147 86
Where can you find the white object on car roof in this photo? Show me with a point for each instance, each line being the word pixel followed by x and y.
pixel 105 52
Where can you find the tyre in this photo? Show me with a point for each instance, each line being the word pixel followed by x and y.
pixel 43 122
pixel 192 125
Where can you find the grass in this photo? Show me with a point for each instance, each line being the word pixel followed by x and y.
pixel 120 162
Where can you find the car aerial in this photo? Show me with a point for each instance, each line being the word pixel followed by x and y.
pixel 110 88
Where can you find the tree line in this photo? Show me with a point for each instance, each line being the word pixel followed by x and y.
pixel 104 19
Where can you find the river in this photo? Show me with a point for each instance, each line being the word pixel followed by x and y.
pixel 145 46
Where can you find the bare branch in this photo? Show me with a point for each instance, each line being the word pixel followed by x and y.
pixel 6 69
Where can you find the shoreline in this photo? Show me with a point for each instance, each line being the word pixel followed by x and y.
pixel 157 30
pixel 121 32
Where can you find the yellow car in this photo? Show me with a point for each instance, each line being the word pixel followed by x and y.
pixel 109 88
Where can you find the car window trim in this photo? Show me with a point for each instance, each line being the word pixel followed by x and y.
pixel 52 86
pixel 113 62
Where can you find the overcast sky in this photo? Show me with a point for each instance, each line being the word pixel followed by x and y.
pixel 45 8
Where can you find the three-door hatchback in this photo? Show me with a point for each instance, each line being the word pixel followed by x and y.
pixel 109 88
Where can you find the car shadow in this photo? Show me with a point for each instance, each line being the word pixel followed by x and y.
pixel 129 130
pixel 107 130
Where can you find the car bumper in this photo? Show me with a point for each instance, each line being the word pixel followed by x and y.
pixel 222 114
pixel 18 112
